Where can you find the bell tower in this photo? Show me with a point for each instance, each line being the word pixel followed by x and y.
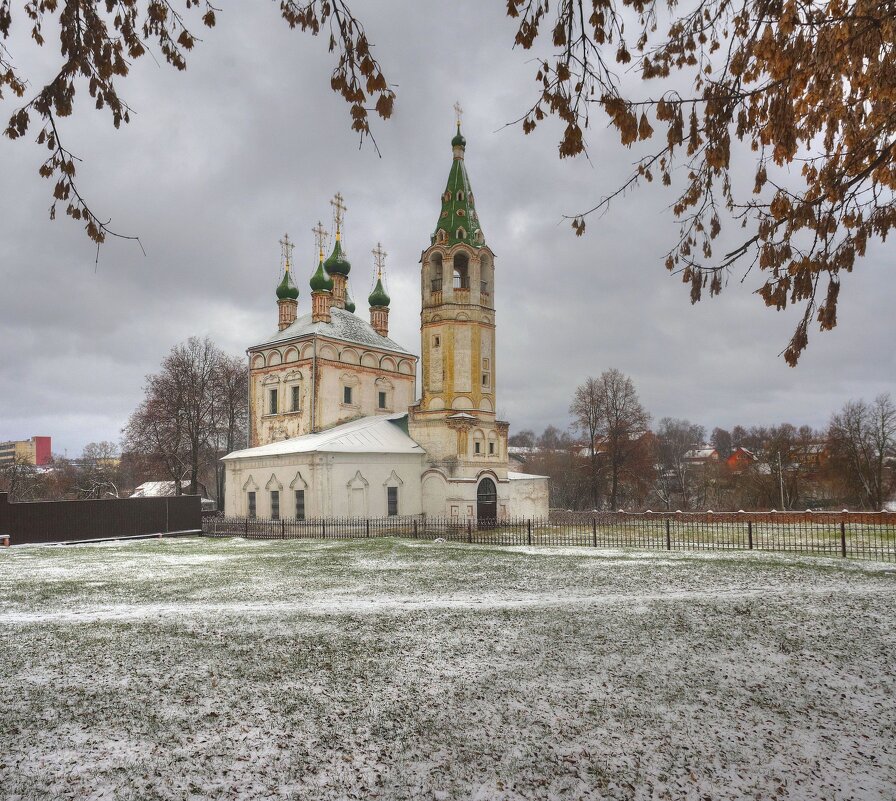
pixel 454 419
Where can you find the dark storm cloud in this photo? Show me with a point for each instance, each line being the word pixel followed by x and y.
pixel 250 142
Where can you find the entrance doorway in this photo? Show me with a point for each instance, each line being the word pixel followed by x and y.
pixel 487 503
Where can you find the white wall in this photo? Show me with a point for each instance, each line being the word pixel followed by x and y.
pixel 335 484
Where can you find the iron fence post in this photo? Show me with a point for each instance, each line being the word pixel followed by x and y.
pixel 282 529
pixel 367 527
pixel 529 531
pixel 594 531
pixel 843 539
pixel 415 528
pixel 469 531
pixel 247 526
pixel 668 535
pixel 750 534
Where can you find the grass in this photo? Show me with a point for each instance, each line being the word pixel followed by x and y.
pixel 397 669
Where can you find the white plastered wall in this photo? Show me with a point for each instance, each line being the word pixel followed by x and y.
pixel 335 484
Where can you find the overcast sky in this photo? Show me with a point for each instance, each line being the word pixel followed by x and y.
pixel 250 143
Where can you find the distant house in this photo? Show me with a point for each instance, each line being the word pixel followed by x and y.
pixel 740 459
pixel 813 456
pixel 703 455
pixel 167 489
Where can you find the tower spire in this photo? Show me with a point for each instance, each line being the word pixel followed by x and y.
pixel 379 300
pixel 321 284
pixel 287 292
pixel 458 221
pixel 337 265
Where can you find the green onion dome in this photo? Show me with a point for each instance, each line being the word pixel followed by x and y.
pixel 287 289
pixel 337 264
pixel 458 140
pixel 349 303
pixel 320 281
pixel 378 297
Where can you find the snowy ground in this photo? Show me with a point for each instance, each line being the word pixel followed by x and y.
pixel 403 670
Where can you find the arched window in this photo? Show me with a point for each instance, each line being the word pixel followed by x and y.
pixel 435 271
pixel 461 271
pixel 461 233
pixel 460 194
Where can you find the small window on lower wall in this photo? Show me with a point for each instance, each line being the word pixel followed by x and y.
pixel 275 504
pixel 382 400
pixel 295 391
pixel 392 501
pixel 272 401
pixel 347 395
pixel 300 504
pixel 491 449
pixel 251 503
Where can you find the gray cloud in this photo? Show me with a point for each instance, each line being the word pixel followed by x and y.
pixel 250 142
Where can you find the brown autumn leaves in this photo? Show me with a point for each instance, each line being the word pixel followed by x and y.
pixel 806 89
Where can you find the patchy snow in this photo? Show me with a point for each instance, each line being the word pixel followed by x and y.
pixel 388 669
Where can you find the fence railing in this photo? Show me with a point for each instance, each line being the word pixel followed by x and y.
pixel 856 535
pixel 73 521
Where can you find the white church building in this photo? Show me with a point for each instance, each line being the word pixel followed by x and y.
pixel 336 425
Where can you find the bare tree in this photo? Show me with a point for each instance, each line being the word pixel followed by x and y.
pixel 862 439
pixel 675 477
pixel 97 474
pixel 607 410
pixel 22 480
pixel 231 390
pixel 194 404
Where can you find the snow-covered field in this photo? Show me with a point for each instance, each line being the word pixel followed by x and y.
pixel 393 669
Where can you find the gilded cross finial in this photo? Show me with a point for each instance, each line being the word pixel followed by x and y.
pixel 458 112
pixel 320 238
pixel 379 258
pixel 339 210
pixel 286 248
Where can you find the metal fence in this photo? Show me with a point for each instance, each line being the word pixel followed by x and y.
pixel 113 518
pixel 856 535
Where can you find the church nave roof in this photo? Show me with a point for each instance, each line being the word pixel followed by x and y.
pixel 343 326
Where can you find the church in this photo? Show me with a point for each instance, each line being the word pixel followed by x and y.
pixel 337 427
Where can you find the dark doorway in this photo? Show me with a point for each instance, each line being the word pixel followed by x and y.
pixel 487 504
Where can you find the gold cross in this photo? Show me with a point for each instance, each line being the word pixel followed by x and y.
pixel 379 257
pixel 320 237
pixel 339 210
pixel 286 248
pixel 458 111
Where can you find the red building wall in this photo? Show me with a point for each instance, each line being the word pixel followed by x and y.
pixel 41 450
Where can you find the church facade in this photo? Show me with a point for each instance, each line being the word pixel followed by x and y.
pixel 336 425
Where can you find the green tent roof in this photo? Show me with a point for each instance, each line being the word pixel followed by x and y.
pixel 458 218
